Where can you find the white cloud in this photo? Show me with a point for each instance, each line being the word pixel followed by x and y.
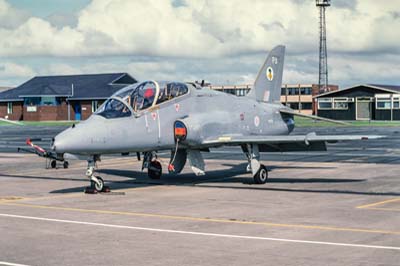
pixel 10 69
pixel 12 74
pixel 217 40
pixel 11 17
pixel 59 69
pixel 203 28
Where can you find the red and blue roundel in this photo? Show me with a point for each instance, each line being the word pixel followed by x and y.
pixel 180 131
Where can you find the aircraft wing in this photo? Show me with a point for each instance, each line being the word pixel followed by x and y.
pixel 11 122
pixel 309 142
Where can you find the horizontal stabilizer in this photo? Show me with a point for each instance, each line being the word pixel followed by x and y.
pixel 291 112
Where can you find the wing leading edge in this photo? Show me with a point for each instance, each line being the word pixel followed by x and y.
pixel 309 142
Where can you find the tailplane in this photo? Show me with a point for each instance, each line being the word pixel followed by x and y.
pixel 267 86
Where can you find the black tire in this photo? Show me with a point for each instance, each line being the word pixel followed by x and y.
pixel 261 176
pixel 53 164
pixel 65 164
pixel 154 170
pixel 99 187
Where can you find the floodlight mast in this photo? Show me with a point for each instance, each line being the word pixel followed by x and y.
pixel 323 55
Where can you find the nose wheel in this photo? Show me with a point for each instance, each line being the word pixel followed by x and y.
pixel 99 185
pixel 96 182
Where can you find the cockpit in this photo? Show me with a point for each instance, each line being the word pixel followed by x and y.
pixel 139 97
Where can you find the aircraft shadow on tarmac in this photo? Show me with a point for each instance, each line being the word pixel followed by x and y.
pixel 226 178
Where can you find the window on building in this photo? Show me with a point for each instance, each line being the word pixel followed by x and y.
pixel 396 103
pixel 42 101
pixel 32 101
pixel 305 91
pixel 383 103
pixel 325 103
pixel 306 106
pixel 9 108
pixel 95 106
pixel 49 101
pixel 294 106
pixel 340 103
pixel 293 91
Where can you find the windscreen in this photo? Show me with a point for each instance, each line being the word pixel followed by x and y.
pixel 113 108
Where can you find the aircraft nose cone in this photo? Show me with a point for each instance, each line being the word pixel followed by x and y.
pixel 65 141
pixel 58 145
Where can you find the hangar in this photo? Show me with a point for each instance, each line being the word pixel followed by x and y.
pixel 70 97
pixel 361 102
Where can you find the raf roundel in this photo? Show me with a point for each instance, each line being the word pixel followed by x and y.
pixel 270 73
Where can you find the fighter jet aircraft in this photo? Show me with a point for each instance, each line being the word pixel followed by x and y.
pixel 188 119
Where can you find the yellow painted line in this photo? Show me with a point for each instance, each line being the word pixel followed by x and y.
pixel 69 195
pixel 384 209
pixel 78 194
pixel 10 198
pixel 146 187
pixel 368 206
pixel 188 218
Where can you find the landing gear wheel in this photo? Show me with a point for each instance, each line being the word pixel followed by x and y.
pixel 53 164
pixel 261 176
pixel 154 170
pixel 98 186
pixel 65 164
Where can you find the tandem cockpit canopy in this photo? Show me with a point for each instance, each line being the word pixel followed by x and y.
pixel 139 97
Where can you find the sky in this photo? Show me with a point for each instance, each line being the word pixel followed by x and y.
pixel 223 42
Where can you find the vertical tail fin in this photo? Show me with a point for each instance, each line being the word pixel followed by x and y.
pixel 267 86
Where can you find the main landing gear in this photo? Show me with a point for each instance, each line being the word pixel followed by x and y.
pixel 259 171
pixel 154 168
pixel 96 182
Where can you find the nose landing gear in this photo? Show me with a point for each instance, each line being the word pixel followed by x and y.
pixel 96 182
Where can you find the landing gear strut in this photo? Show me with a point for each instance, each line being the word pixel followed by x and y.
pixel 154 168
pixel 96 182
pixel 259 171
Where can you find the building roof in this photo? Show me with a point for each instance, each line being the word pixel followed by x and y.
pixel 90 86
pixel 386 88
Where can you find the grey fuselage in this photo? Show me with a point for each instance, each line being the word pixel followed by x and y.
pixel 206 114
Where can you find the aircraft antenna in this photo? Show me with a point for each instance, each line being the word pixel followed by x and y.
pixel 323 56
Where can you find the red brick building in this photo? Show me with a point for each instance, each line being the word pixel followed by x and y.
pixel 50 98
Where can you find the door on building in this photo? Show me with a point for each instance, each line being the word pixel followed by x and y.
pixel 363 109
pixel 78 111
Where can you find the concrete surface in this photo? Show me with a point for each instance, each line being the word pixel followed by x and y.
pixel 339 207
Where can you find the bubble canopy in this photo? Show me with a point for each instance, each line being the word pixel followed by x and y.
pixel 139 97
